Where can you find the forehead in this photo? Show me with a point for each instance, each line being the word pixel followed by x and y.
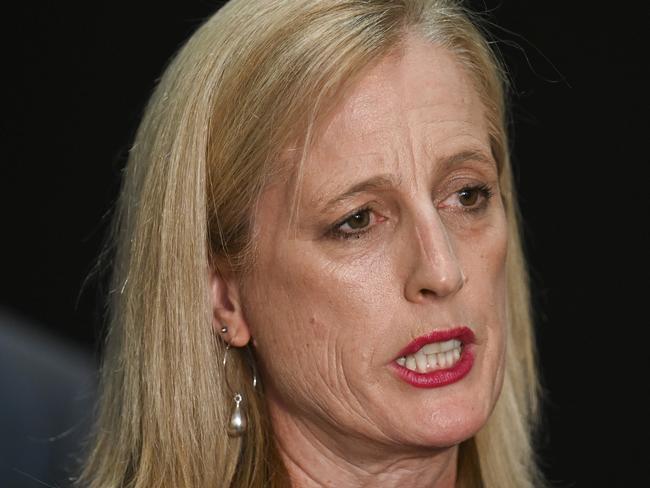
pixel 418 100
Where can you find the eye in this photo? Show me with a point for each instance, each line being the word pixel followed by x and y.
pixel 355 224
pixel 359 220
pixel 469 198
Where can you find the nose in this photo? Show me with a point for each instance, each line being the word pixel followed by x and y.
pixel 434 269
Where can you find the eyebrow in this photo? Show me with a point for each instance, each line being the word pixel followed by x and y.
pixel 385 181
pixel 379 182
pixel 479 156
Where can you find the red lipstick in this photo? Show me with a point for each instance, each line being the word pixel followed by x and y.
pixel 440 377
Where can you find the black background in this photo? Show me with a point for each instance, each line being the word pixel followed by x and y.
pixel 76 79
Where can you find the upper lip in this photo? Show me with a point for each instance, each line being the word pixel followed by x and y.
pixel 464 334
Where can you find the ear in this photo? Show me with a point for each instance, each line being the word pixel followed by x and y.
pixel 226 308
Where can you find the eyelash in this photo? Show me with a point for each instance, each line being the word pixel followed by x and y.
pixel 484 191
pixel 335 231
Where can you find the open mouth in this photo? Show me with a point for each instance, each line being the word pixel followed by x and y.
pixel 433 357
pixel 437 359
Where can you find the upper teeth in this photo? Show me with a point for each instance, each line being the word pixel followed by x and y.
pixel 437 355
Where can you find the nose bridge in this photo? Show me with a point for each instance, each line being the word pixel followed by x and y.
pixel 436 268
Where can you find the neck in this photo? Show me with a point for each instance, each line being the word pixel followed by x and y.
pixel 314 458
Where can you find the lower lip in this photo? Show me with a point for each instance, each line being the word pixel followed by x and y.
pixel 441 377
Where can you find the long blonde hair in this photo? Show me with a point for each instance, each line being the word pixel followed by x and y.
pixel 255 77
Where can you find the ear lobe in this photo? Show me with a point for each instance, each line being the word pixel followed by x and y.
pixel 226 309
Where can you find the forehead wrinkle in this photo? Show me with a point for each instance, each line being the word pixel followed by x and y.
pixel 479 151
pixel 406 138
pixel 410 154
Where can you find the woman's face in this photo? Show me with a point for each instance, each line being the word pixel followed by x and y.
pixel 398 249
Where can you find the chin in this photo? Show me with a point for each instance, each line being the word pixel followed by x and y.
pixel 446 416
pixel 451 427
pixel 446 423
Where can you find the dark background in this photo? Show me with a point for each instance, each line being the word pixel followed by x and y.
pixel 76 79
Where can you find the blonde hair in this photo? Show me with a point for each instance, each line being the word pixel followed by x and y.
pixel 254 78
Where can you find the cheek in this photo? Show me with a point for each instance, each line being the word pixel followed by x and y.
pixel 493 300
pixel 309 316
pixel 483 257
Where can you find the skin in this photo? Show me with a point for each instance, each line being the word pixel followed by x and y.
pixel 328 316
